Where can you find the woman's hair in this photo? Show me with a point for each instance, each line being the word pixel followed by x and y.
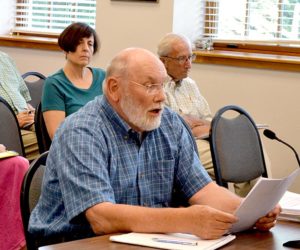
pixel 71 36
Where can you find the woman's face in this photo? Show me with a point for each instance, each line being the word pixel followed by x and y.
pixel 83 53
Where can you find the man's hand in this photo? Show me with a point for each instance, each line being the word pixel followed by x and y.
pixel 198 126
pixel 2 148
pixel 201 130
pixel 25 117
pixel 267 222
pixel 193 121
pixel 209 223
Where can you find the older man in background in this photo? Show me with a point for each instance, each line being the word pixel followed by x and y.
pixel 184 97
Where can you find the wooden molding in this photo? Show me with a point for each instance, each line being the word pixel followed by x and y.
pixel 249 60
pixel 30 42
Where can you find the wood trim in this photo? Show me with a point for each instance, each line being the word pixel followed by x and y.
pixel 249 57
pixel 257 48
pixel 30 42
pixel 249 60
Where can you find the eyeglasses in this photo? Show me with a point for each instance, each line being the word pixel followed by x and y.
pixel 151 89
pixel 183 59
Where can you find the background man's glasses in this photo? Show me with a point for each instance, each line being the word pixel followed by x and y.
pixel 183 59
pixel 151 89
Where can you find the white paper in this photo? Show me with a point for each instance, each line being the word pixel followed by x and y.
pixel 149 240
pixel 290 203
pixel 261 199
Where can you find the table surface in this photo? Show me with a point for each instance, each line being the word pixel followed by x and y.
pixel 282 232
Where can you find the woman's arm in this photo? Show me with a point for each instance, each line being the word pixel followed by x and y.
pixel 53 119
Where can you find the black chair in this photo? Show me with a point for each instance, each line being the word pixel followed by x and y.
pixel 236 147
pixel 190 133
pixel 30 193
pixel 42 135
pixel 177 198
pixel 10 133
pixel 35 87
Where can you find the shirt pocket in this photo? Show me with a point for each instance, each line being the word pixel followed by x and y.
pixel 162 182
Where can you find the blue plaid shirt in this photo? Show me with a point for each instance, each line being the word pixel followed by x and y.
pixel 96 157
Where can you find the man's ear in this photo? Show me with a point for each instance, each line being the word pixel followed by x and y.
pixel 113 88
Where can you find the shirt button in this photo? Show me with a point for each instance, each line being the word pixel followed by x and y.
pixel 126 137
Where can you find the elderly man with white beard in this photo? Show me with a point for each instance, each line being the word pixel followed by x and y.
pixel 113 165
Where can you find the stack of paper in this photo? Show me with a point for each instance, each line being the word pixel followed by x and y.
pixel 7 154
pixel 290 204
pixel 172 241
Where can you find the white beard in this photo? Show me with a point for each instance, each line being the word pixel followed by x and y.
pixel 137 115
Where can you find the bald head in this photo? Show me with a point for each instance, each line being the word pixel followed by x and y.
pixel 134 87
pixel 128 61
pixel 134 62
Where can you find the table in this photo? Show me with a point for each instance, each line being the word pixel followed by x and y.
pixel 282 232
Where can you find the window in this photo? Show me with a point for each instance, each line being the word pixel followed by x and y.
pixel 275 21
pixel 51 17
pixel 271 22
pixel 245 33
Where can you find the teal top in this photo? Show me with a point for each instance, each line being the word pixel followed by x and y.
pixel 60 94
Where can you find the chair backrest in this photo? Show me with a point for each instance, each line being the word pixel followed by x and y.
pixel 42 135
pixel 190 133
pixel 236 147
pixel 35 87
pixel 10 133
pixel 177 198
pixel 30 193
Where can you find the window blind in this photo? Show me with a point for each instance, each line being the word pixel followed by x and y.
pixel 52 17
pixel 267 21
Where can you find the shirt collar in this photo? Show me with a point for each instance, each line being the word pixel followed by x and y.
pixel 113 115
pixel 171 81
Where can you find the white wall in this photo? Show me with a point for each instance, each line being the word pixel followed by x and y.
pixel 271 97
pixel 131 24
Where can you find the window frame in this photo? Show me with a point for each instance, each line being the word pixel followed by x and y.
pixel 278 56
pixel 76 4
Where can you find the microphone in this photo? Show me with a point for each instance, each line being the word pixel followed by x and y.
pixel 271 135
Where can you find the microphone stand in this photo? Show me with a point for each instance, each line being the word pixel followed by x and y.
pixel 271 135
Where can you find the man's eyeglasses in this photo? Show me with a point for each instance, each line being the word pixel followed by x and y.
pixel 183 59
pixel 151 89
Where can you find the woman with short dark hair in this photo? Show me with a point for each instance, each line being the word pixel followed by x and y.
pixel 75 84
pixel 71 36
